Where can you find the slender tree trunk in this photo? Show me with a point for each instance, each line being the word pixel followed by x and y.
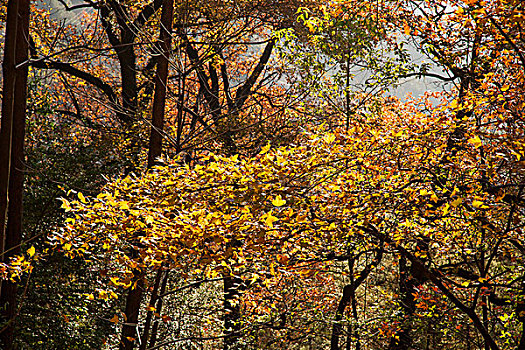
pixel 12 234
pixel 337 327
pixel 232 312
pixel 403 339
pixel 130 328
pixel 9 78
pixel 127 61
pixel 149 316
pixel 348 298
pixel 128 72
pixel 355 332
pixel 161 79
pixel 158 307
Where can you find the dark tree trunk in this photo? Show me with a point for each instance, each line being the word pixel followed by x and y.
pixel 130 328
pixel 9 78
pixel 149 316
pixel 348 297
pixel 12 234
pixel 232 312
pixel 128 73
pixel 161 79
pixel 337 328
pixel 403 338
pixel 158 308
pixel 127 61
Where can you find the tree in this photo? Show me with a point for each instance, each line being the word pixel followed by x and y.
pixel 74 62
pixel 290 205
pixel 12 135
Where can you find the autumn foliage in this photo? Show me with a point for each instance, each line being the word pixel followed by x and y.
pixel 297 202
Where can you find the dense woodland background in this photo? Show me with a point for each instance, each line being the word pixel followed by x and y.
pixel 252 174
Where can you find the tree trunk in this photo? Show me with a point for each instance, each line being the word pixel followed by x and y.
pixel 12 234
pixel 403 339
pixel 232 312
pixel 128 73
pixel 130 328
pixel 161 79
pixel 158 308
pixel 337 327
pixel 149 316
pixel 9 78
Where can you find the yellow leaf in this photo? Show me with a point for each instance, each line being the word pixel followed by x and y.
pixel 101 195
pixel 329 138
pixel 81 197
pixel 102 294
pixel 456 202
pixel 479 205
pixel 213 166
pixel 310 26
pixel 279 201
pixel 67 246
pixel 124 205
pixel 65 205
pixel 476 141
pixel 270 219
pixel 505 317
pixel 92 297
pixel 31 251
pixel 114 319
pixel 265 149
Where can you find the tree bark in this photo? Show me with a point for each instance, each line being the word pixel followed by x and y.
pixel 403 339
pixel 337 328
pixel 9 78
pixel 232 312
pixel 158 308
pixel 130 328
pixel 16 106
pixel 149 316
pixel 161 79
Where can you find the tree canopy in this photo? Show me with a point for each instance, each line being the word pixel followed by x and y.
pixel 241 175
